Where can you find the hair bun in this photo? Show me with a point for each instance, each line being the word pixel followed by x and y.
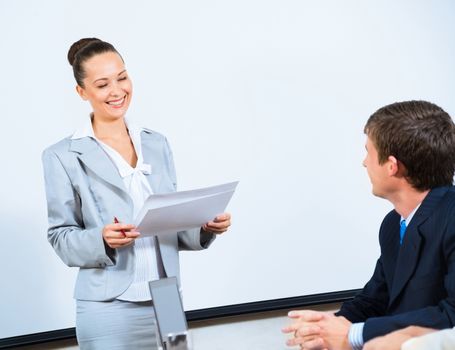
pixel 77 46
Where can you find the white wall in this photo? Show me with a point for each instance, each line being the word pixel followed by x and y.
pixel 273 93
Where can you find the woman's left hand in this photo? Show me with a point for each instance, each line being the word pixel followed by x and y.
pixel 218 225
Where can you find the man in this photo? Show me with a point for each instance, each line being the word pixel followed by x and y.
pixel 411 162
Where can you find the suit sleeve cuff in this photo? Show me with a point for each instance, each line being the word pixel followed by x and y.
pixel 355 336
pixel 206 238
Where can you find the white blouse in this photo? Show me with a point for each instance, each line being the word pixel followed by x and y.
pixel 139 189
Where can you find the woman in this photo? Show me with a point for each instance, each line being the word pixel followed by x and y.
pixel 105 171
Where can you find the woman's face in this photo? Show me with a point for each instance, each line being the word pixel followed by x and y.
pixel 106 86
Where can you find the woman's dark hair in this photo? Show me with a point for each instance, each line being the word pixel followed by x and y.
pixel 84 49
pixel 421 136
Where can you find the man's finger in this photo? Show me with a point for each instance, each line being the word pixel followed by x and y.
pixel 306 315
pixel 294 341
pixel 290 329
pixel 305 331
pixel 314 344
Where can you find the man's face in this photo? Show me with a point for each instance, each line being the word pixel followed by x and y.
pixel 379 174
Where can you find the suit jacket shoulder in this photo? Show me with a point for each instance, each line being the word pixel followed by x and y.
pixel 59 147
pixel 152 135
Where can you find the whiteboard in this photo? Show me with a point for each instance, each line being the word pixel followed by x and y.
pixel 272 93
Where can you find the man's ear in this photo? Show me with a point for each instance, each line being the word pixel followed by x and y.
pixel 81 91
pixel 393 166
pixel 396 168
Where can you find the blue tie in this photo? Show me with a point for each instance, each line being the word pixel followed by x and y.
pixel 402 230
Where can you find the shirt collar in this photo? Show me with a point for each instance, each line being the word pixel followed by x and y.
pixel 410 216
pixel 86 130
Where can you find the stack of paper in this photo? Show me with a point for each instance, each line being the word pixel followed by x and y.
pixel 179 211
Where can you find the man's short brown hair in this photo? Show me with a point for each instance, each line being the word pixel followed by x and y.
pixel 421 136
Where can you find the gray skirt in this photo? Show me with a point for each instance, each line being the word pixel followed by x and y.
pixel 117 324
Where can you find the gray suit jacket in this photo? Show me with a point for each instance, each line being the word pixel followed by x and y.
pixel 84 192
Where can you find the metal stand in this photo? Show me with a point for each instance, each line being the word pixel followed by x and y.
pixel 172 329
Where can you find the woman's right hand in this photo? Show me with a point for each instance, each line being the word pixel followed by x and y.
pixel 119 235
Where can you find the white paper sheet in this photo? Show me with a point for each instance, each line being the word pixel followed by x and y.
pixel 179 211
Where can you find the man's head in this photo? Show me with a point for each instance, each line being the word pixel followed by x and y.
pixel 412 140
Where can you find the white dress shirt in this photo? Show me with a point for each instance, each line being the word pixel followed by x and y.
pixel 139 189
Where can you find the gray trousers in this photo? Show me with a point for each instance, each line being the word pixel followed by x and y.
pixel 116 325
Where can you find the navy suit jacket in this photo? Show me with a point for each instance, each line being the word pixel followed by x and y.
pixel 412 284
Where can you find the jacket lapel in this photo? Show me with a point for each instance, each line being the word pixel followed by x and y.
pixel 407 259
pixel 93 156
pixel 150 157
pixel 408 256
